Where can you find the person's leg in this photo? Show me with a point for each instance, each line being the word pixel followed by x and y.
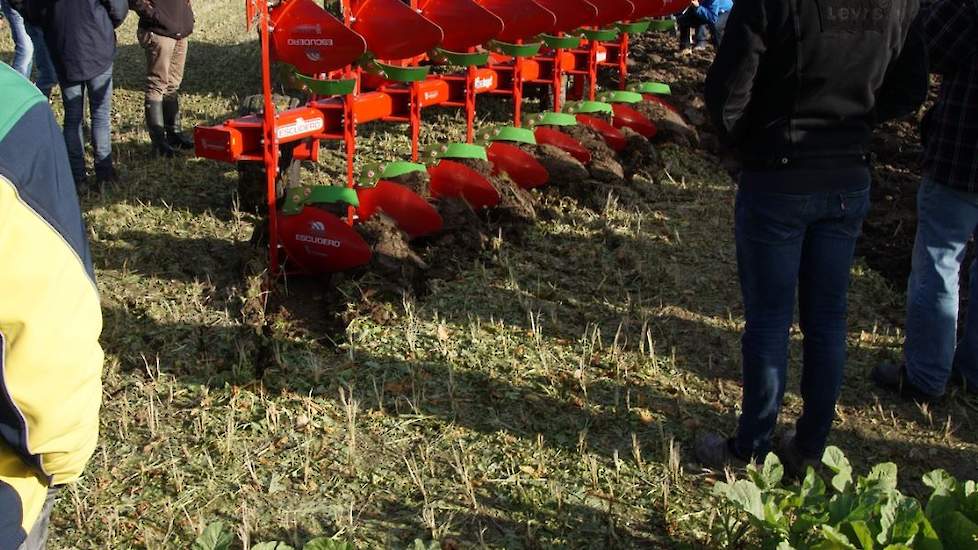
pixel 823 303
pixel 770 233
pixel 702 36
pixel 718 28
pixel 171 100
pixel 945 224
pixel 686 22
pixel 100 106
pixel 159 51
pixel 47 76
pixel 37 538
pixel 73 96
pixel 23 47
pixel 966 356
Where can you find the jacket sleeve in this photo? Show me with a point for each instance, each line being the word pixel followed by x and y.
pixel 905 86
pixel 949 30
pixel 50 318
pixel 144 9
pixel 118 10
pixel 730 82
pixel 708 13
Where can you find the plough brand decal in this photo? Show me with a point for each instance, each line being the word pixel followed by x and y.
pixel 484 82
pixel 300 126
pixel 318 237
pixel 321 42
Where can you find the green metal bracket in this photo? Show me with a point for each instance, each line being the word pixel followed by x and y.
pixel 459 59
pixel 392 72
pixel 298 198
pixel 600 35
pixel 656 88
pixel 588 107
pixel 552 119
pixel 455 151
pixel 562 42
pixel 620 97
pixel 327 87
pixel 508 133
pixel 374 172
pixel 635 27
pixel 515 50
pixel 662 25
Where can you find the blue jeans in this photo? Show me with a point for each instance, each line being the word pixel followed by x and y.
pixel 23 46
pixel 47 76
pixel 689 21
pixel 947 220
pixel 801 242
pixel 99 91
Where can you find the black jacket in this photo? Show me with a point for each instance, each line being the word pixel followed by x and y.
pixel 800 84
pixel 172 18
pixel 80 34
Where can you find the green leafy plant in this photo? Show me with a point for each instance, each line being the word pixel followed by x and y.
pixel 847 512
pixel 217 536
pixel 953 509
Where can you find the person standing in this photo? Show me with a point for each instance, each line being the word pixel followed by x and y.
pixel 50 319
pixel 947 212
pixel 23 46
pixel 80 35
pixel 703 15
pixel 29 48
pixel 797 87
pixel 164 26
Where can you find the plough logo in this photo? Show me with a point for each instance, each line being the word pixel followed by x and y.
pixel 311 44
pixel 318 236
pixel 484 83
pixel 299 127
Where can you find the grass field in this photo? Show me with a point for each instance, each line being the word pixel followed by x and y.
pixel 542 393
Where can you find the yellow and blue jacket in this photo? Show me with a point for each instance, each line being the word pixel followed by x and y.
pixel 50 319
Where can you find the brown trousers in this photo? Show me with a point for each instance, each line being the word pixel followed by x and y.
pixel 165 58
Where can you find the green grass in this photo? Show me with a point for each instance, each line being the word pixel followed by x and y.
pixel 542 395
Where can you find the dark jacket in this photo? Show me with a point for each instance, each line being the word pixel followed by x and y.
pixel 800 84
pixel 172 18
pixel 950 129
pixel 80 34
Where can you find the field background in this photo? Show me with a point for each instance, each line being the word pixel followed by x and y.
pixel 541 393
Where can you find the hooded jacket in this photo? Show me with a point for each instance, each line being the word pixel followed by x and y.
pixel 800 84
pixel 171 18
pixel 80 34
pixel 50 318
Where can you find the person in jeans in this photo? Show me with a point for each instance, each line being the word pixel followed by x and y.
pixel 29 48
pixel 798 87
pixel 50 319
pixel 80 35
pixel 703 16
pixel 164 26
pixel 947 211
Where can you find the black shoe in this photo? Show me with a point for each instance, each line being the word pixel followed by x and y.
pixel 894 378
pixel 106 176
pixel 795 463
pixel 716 452
pixel 154 124
pixel 958 380
pixel 171 123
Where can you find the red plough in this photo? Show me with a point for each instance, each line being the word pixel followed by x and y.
pixel 375 65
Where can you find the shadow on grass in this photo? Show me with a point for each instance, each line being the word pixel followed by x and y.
pixel 227 70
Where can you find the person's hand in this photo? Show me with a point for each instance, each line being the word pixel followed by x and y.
pixel 695 3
